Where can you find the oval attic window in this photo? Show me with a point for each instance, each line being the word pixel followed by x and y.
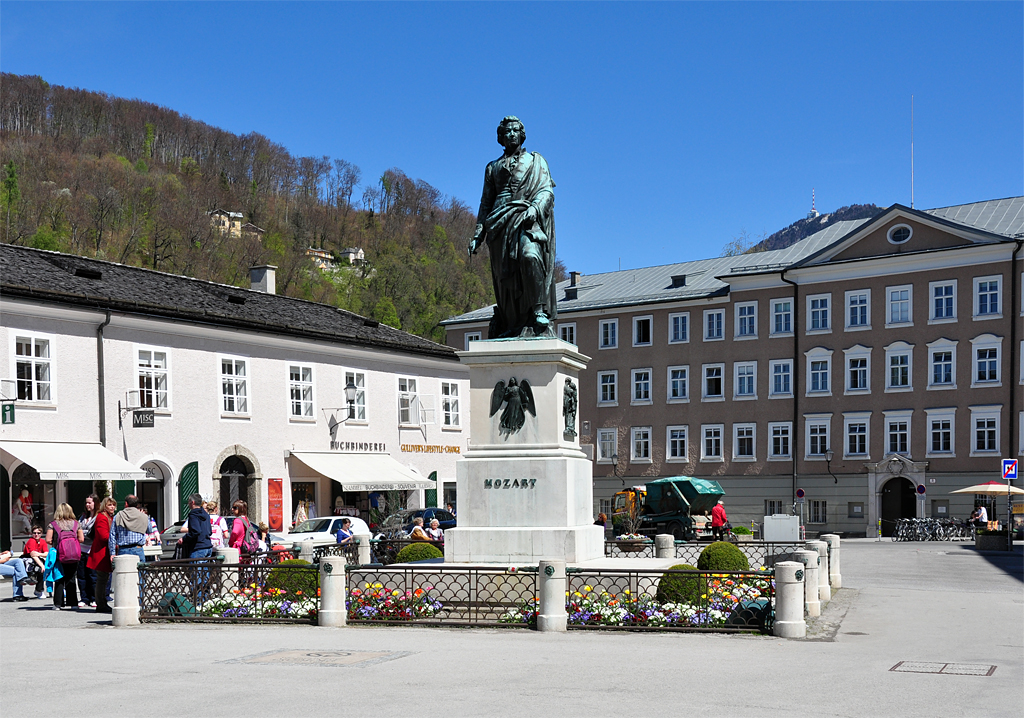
pixel 900 234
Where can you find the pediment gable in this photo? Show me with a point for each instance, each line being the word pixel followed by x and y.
pixel 900 230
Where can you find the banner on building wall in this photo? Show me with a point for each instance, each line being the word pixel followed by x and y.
pixel 275 504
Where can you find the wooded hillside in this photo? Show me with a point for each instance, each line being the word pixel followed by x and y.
pixel 132 182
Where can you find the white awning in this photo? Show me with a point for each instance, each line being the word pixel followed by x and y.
pixel 363 472
pixel 60 461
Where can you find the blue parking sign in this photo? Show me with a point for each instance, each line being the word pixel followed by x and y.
pixel 1010 469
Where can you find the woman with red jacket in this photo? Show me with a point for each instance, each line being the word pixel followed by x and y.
pixel 99 555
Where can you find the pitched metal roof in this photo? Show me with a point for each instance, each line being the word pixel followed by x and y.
pixel 93 284
pixel 709 277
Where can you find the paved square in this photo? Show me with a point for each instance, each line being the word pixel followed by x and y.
pixel 321 657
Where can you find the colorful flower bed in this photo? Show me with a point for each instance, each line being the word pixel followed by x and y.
pixel 601 608
pixel 257 602
pixel 373 602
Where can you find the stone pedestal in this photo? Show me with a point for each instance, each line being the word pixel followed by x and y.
pixel 527 495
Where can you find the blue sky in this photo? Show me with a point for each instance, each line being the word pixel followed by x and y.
pixel 669 128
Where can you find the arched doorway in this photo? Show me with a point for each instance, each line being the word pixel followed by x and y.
pixel 233 482
pixel 899 499
pixel 151 492
pixel 237 475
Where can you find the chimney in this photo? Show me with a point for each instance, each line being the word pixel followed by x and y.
pixel 263 279
pixel 574 278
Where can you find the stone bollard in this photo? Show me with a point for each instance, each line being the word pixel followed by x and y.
pixel 664 546
pixel 824 590
pixel 306 550
pixel 364 549
pixel 551 614
pixel 126 590
pixel 810 561
pixel 333 592
pixel 834 576
pixel 229 576
pixel 789 600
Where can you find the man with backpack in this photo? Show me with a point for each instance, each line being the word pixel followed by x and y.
pixel 128 533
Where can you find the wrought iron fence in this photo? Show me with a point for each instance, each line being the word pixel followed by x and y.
pixel 673 600
pixel 208 590
pixel 384 551
pixel 440 595
pixel 758 553
pixel 629 549
pixel 349 550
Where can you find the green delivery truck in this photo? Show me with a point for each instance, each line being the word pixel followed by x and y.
pixel 670 505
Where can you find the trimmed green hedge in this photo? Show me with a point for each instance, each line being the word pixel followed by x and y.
pixel 722 556
pixel 418 552
pixel 294 582
pixel 741 531
pixel 681 588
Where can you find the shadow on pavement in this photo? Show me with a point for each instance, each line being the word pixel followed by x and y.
pixel 1009 562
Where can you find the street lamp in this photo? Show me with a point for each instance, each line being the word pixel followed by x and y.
pixel 615 468
pixel 350 397
pixel 828 464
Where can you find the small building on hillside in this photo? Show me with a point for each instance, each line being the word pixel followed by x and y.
pixel 354 255
pixel 229 223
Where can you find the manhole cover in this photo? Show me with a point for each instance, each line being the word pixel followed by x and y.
pixel 320 657
pixel 948 669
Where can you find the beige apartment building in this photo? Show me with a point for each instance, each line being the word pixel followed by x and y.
pixel 876 365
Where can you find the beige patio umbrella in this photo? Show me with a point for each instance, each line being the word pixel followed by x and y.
pixel 990 488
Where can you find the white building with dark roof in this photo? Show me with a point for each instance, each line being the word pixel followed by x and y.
pixel 242 394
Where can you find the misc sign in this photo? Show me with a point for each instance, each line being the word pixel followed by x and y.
pixel 430 449
pixel 509 483
pixel 143 419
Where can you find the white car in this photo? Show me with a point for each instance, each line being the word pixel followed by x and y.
pixel 324 530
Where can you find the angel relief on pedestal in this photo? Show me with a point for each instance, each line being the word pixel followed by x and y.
pixel 518 399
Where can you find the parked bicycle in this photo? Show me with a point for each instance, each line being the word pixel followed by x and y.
pixel 951 529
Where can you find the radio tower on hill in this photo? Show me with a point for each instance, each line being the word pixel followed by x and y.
pixel 813 213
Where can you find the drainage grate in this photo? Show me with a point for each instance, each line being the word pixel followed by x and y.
pixel 947 669
pixel 320 658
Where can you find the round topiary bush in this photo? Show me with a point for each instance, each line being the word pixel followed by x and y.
pixel 418 552
pixel 294 582
pixel 722 556
pixel 681 588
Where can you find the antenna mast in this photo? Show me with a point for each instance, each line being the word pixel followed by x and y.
pixel 911 152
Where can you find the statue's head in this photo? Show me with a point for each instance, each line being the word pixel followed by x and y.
pixel 512 382
pixel 511 131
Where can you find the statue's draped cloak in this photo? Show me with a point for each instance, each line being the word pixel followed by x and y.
pixel 506 197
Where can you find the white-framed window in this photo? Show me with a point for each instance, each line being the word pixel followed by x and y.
pixel 899 362
pixel 472 337
pixel 677 450
pixel 711 444
pixel 234 385
pixel 746 320
pixel 744 441
pixel 678 384
pixel 153 377
pixel 641 387
pixel 714 325
pixel 985 430
pixel 782 378
pixel 987 302
pixel 640 445
pixel 643 330
pixel 607 445
pixel 897 431
pixel 32 356
pixel 679 328
pixel 780 437
pixel 567 332
pixel 819 316
pixel 941 432
pixel 986 351
pixel 782 317
pixel 942 364
pixel 450 410
pixel 818 512
pixel 858 369
pixel 608 388
pixel 300 391
pixel 899 233
pixel 856 425
pixel 358 379
pixel 819 371
pixel 899 305
pixel 408 401
pixel 608 334
pixel 942 307
pixel 745 380
pixel 817 427
pixel 774 506
pixel 714 382
pixel 858 310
